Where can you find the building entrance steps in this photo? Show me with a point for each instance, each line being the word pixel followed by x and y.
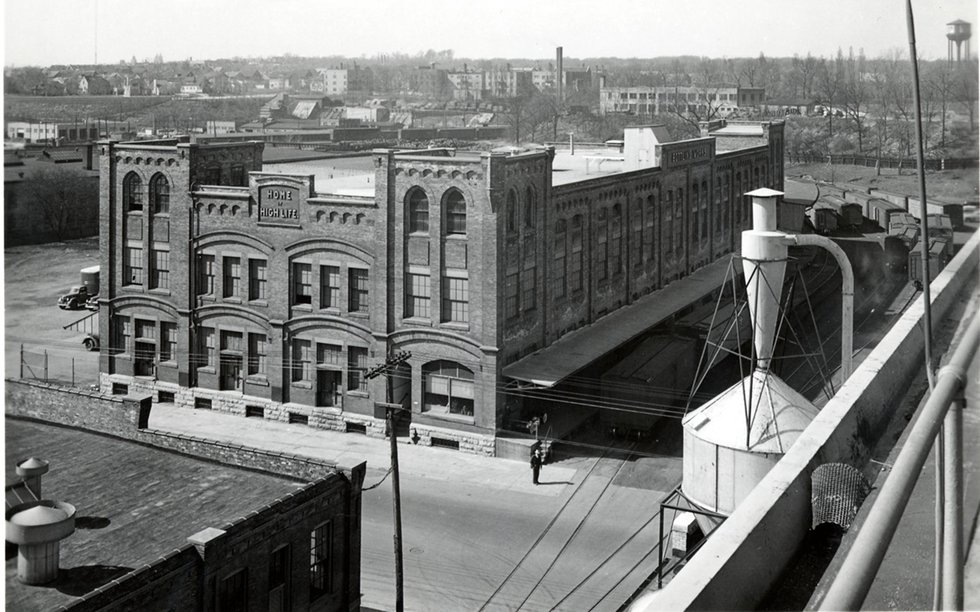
pixel 349 449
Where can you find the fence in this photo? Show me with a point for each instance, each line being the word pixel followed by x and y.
pixel 56 366
pixel 908 163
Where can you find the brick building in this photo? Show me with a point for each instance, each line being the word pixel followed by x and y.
pixel 262 293
pixel 160 529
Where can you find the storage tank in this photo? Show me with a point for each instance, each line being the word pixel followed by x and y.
pixel 90 278
pixel 732 441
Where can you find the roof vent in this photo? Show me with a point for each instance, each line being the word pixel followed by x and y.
pixel 37 528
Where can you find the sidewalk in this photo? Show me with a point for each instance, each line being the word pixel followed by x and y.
pixel 349 449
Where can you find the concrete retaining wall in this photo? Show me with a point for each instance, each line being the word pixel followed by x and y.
pixel 745 556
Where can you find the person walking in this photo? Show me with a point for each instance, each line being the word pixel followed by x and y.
pixel 536 464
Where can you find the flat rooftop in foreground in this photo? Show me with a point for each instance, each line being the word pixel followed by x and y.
pixel 134 503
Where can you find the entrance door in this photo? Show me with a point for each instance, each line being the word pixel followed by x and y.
pixel 143 364
pixel 327 388
pixel 231 373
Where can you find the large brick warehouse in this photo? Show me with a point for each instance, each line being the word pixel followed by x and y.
pixel 232 287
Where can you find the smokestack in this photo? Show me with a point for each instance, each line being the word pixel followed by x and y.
pixel 560 73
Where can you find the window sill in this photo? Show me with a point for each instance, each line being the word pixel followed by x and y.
pixel 231 299
pixel 159 291
pixel 301 384
pixel 207 370
pixel 303 307
pixel 259 303
pixel 420 321
pixel 133 288
pixel 206 297
pixel 330 310
pixel 256 379
pixel 455 325
pixel 353 393
pixel 448 416
pixel 358 314
pixel 168 364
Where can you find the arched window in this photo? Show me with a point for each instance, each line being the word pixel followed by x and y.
pixel 418 211
pixel 159 195
pixel 132 192
pixel 511 211
pixel 560 251
pixel 448 388
pixel 705 219
pixel 455 206
pixel 602 245
pixel 578 256
pixel 530 208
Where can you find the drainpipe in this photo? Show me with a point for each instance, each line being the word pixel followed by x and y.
pixel 847 300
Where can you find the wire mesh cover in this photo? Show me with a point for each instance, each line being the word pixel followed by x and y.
pixel 838 491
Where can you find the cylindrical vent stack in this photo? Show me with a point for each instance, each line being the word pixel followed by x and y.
pixel 37 529
pixel 30 471
pixel 764 255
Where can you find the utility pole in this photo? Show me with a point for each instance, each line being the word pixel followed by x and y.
pixel 391 418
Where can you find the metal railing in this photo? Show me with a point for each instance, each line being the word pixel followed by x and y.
pixel 859 569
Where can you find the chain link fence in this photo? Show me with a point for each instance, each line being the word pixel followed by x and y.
pixel 59 367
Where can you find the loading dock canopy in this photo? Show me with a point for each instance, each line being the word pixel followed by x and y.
pixel 575 350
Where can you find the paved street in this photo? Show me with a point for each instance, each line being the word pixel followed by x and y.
pixel 469 521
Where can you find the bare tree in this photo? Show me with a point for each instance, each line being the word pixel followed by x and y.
pixel 63 197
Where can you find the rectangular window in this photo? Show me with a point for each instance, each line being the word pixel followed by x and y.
pixel 329 287
pixel 575 270
pixel 511 292
pixel 529 288
pixel 602 255
pixel 205 274
pixel 231 341
pixel 301 360
pixel 321 547
pixel 358 288
pixel 206 346
pixel 417 304
pixel 133 266
pixel 146 330
pixel 279 579
pixel 302 283
pixel 257 354
pixel 455 300
pixel 237 176
pixel 256 279
pixel 124 332
pixel 168 341
pixel 356 367
pixel 232 277
pixel 161 270
pixel 329 354
pixel 231 592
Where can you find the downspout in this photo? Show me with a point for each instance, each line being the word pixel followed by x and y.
pixel 847 299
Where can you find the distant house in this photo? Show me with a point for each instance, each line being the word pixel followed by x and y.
pixel 93 85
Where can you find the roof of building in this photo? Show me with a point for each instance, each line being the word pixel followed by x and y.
pixel 575 350
pixel 134 504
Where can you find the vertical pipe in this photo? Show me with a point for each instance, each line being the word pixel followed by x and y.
pixel 926 298
pixel 22 360
pixel 660 552
pixel 953 546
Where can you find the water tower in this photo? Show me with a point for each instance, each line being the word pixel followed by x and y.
pixel 957 32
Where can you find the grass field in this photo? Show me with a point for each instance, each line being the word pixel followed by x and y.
pixel 142 111
pixel 952 185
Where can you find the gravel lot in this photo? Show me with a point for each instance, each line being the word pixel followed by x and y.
pixel 34 277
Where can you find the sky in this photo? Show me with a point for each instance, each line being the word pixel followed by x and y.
pixel 45 32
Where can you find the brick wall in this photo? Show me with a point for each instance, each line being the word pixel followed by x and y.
pixel 115 415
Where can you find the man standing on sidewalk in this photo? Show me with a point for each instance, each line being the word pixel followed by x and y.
pixel 536 464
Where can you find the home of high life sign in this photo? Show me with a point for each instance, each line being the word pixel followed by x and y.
pixel 279 205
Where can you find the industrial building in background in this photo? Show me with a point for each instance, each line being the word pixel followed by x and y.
pixel 232 287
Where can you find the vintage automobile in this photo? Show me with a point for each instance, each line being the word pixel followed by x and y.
pixel 74 299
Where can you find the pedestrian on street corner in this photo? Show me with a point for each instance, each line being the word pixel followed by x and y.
pixel 536 464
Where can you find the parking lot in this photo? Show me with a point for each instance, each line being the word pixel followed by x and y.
pixel 34 277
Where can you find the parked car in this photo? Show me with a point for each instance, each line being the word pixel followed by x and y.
pixel 74 299
pixel 92 303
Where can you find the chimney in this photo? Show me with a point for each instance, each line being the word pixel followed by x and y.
pixel 560 74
